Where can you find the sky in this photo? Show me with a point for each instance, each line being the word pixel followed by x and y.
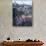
pixel 29 2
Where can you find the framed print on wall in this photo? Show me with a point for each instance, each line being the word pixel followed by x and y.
pixel 22 12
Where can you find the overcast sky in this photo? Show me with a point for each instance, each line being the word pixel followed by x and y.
pixel 29 2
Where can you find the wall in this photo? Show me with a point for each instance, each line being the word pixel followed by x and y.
pixel 37 31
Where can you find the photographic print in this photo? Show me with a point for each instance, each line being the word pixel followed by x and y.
pixel 22 12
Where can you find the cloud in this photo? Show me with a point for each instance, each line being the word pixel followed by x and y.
pixel 29 2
